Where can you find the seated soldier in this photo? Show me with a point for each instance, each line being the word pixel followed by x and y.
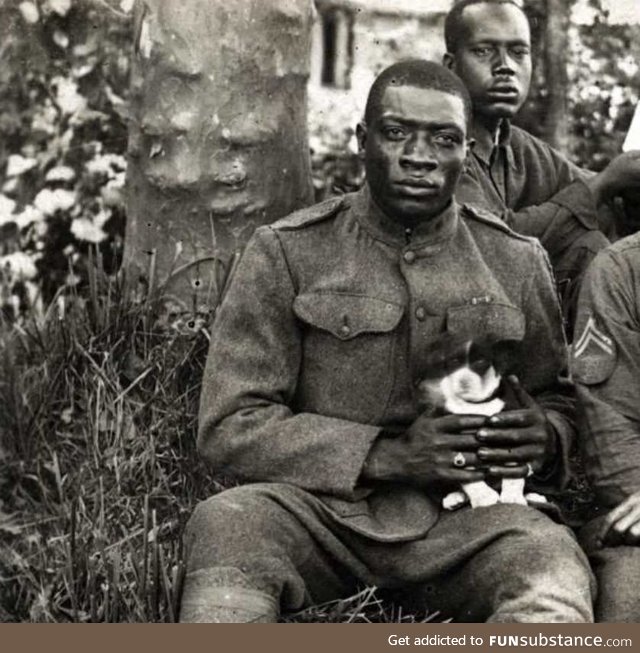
pixel 533 187
pixel 606 366
pixel 309 395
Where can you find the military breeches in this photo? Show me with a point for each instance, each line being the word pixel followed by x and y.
pixel 251 555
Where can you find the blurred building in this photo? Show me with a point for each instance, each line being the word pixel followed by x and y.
pixel 354 39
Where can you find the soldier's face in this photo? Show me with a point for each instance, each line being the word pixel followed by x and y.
pixel 493 59
pixel 414 149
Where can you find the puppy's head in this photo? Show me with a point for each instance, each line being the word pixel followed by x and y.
pixel 457 373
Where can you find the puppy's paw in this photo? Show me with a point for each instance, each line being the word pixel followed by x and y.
pixel 454 500
pixel 513 491
pixel 481 495
pixel 534 497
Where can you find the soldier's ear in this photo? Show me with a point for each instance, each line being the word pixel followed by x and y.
pixel 361 137
pixel 471 143
pixel 448 60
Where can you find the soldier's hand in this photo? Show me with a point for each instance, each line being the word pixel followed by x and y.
pixel 622 173
pixel 516 442
pixel 622 524
pixel 432 452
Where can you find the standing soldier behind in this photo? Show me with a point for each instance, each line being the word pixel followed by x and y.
pixel 511 173
pixel 309 395
pixel 606 367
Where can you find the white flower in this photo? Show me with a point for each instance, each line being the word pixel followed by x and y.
pixel 85 229
pixel 29 12
pixel 28 216
pixel 101 218
pixel 60 7
pixel 21 265
pixel 61 173
pixel 45 118
pixel 50 201
pixel 10 186
pixel 67 96
pixel 6 209
pixel 107 164
pixel 18 164
pixel 126 5
pixel 61 39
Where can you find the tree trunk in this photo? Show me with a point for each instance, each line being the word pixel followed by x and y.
pixel 555 62
pixel 218 137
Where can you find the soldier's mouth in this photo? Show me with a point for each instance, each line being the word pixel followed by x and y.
pixel 504 92
pixel 417 188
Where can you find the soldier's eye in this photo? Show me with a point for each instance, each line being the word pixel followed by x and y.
pixel 447 140
pixel 520 52
pixel 482 51
pixel 394 133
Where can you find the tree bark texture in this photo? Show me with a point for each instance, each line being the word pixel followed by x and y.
pixel 218 137
pixel 555 63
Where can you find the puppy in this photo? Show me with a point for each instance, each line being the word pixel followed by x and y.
pixel 463 379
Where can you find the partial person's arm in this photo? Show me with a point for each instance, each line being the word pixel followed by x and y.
pixel 606 368
pixel 247 427
pixel 606 365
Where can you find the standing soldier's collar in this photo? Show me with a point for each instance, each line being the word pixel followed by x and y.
pixel 379 225
pixel 486 154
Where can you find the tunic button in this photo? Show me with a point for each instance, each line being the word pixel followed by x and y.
pixel 345 330
pixel 421 313
pixel 409 256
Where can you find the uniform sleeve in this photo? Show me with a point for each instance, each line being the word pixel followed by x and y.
pixel 568 209
pixel 545 373
pixel 606 368
pixel 247 427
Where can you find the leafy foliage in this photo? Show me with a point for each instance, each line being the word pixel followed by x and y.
pixel 63 87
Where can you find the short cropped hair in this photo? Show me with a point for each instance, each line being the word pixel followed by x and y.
pixel 454 22
pixel 418 73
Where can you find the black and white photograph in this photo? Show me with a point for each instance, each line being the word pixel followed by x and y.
pixel 320 311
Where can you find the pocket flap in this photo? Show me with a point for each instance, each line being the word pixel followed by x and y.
pixel 494 321
pixel 347 316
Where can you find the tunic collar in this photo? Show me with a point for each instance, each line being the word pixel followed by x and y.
pixel 487 153
pixel 377 223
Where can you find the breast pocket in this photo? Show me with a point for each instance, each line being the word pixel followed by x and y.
pixel 348 348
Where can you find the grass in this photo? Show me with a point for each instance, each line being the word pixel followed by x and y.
pixel 98 468
pixel 99 472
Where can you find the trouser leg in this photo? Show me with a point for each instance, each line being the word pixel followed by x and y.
pixel 501 564
pixel 618 572
pixel 248 556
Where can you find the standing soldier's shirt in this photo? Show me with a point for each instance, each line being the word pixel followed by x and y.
pixel 316 349
pixel 606 368
pixel 539 193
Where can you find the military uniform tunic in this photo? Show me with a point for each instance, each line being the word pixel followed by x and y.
pixel 606 367
pixel 316 349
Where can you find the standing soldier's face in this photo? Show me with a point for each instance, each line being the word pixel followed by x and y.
pixel 493 59
pixel 414 147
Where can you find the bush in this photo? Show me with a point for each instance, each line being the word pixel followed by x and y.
pixel 63 135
